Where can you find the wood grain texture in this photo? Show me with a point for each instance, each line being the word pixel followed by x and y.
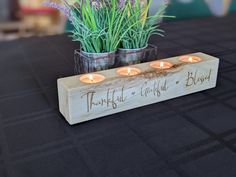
pixel 79 102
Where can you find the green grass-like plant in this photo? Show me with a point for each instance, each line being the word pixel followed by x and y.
pixel 99 28
pixel 105 25
pixel 140 33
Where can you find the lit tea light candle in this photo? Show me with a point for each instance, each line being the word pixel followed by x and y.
pixel 92 78
pixel 128 71
pixel 190 59
pixel 161 65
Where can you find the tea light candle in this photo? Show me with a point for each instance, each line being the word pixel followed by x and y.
pixel 161 65
pixel 128 71
pixel 190 59
pixel 92 78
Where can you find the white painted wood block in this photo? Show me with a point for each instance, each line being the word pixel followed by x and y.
pixel 79 102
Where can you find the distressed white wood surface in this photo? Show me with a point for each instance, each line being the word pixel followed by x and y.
pixel 79 102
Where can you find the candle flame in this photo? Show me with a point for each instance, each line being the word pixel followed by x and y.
pixel 162 64
pixel 129 70
pixel 91 77
pixel 190 59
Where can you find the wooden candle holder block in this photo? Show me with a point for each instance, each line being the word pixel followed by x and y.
pixel 79 102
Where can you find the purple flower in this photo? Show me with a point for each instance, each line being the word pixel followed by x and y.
pixel 59 7
pixel 121 4
pixel 96 3
pixel 133 2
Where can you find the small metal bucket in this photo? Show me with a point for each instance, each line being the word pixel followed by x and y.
pixel 91 62
pixel 131 56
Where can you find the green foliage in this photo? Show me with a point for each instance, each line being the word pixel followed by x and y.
pixel 105 25
pixel 139 34
pixel 98 27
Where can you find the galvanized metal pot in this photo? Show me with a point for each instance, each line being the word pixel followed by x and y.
pixel 131 56
pixel 92 62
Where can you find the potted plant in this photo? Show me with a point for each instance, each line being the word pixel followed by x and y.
pixel 135 40
pixel 99 27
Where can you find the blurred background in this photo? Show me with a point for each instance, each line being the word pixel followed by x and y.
pixel 24 18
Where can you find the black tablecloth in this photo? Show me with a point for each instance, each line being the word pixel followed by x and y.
pixel 191 136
